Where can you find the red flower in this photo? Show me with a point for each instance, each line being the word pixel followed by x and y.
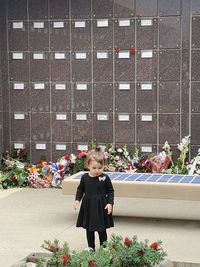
pixel 154 246
pixel 82 154
pixel 128 242
pixel 92 263
pixel 14 179
pixel 128 166
pixel 38 166
pixel 65 259
pixel 22 153
pixel 117 49
pixel 67 157
pixel 53 248
pixel 60 167
pixel 132 51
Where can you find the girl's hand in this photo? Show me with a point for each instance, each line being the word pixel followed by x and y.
pixel 76 204
pixel 109 208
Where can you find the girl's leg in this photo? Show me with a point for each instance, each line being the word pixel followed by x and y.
pixel 102 237
pixel 90 239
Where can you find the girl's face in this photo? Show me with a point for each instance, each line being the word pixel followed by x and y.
pixel 95 168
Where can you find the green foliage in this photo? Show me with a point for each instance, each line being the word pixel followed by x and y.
pixel 118 252
pixel 79 165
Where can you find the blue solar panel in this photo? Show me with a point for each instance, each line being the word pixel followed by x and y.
pixel 196 180
pixel 154 178
pixel 187 179
pixel 133 177
pixel 143 177
pixel 151 177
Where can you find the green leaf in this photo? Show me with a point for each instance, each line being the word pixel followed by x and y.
pixel 22 177
pixel 8 175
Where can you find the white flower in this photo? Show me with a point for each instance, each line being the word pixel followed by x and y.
pixel 180 147
pixel 126 153
pixel 73 158
pixel 119 150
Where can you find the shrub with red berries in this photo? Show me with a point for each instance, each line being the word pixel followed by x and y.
pixel 117 252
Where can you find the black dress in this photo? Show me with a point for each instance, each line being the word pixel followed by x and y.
pixel 95 192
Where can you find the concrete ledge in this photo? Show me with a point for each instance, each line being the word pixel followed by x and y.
pixel 148 199
pixel 179 191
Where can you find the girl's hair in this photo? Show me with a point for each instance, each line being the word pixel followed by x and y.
pixel 96 155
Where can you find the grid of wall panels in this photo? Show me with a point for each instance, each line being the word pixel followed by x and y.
pixel 114 71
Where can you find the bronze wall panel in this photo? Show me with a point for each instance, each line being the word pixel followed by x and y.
pixel 170 7
pixel 195 128
pixel 82 99
pixel 59 9
pixel 103 130
pixel 56 154
pixel 20 129
pixel 124 68
pixel 60 37
pixel 19 68
pixel 125 99
pixel 124 8
pixel 146 100
pixel 81 37
pixel 82 130
pixel 60 68
pixel 18 38
pixel 170 32
pixel 169 64
pixel 81 68
pixel 40 127
pixel 102 36
pixel 147 36
pixel 61 99
pixel 146 131
pixel 103 68
pixel 19 99
pixel 61 129
pixel 37 155
pixel 124 37
pixel 195 32
pixel 38 9
pixel 17 9
pixel 40 99
pixel 39 37
pixel 81 9
pixel 147 67
pixel 102 9
pixel 195 7
pixel 39 68
pixel 146 8
pixel 169 97
pixel 103 97
pixel 195 95
pixel 169 128
pixel 195 67
pixel 125 130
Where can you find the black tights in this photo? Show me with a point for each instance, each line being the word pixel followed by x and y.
pixel 91 238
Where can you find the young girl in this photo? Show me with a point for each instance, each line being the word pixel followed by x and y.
pixel 97 194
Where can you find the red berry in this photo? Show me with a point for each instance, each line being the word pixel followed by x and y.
pixel 154 246
pixel 128 242
pixel 66 259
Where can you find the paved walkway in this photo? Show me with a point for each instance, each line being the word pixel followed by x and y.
pixel 29 216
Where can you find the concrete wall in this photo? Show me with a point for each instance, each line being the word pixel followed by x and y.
pixel 142 100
